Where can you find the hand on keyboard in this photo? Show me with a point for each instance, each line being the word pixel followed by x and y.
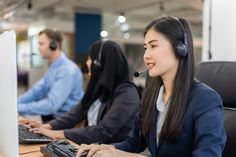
pixel 54 134
pixel 23 120
pixel 60 148
pixel 25 136
pixel 32 123
pixel 92 149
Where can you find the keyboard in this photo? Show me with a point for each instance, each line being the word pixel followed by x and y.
pixel 27 137
pixel 60 148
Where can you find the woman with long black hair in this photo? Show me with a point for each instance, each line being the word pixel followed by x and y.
pixel 180 116
pixel 109 105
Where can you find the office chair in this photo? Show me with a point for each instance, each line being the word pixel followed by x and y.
pixel 221 76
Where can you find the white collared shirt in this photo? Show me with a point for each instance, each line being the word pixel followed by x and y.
pixel 162 109
pixel 93 112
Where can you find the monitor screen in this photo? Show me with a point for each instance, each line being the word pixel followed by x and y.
pixel 8 96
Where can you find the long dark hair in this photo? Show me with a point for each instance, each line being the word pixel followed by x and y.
pixel 113 72
pixel 171 29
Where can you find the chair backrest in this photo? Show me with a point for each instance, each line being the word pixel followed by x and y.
pixel 221 76
pixel 230 127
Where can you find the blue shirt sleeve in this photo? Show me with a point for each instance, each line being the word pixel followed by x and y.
pixel 55 97
pixel 36 93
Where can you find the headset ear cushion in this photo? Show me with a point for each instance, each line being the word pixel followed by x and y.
pixel 181 49
pixel 53 45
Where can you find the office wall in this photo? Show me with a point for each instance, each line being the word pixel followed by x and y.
pixel 87 30
pixel 220 40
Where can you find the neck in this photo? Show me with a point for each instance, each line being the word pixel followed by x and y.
pixel 55 55
pixel 168 82
pixel 168 89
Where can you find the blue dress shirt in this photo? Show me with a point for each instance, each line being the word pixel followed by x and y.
pixel 56 93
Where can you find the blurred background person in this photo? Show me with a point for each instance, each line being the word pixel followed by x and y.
pixel 61 86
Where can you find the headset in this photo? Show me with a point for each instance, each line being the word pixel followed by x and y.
pixel 53 43
pixel 97 62
pixel 180 46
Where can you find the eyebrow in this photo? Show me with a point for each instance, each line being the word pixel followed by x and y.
pixel 151 41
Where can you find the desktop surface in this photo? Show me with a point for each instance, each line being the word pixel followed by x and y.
pixel 32 154
pixel 33 150
pixel 27 148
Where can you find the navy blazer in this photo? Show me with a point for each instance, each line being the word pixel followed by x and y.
pixel 202 133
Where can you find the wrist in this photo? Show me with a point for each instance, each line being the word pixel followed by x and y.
pixel 136 155
pixel 47 126
pixel 60 134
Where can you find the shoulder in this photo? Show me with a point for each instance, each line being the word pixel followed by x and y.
pixel 127 86
pixel 68 67
pixel 203 98
pixel 128 89
pixel 202 92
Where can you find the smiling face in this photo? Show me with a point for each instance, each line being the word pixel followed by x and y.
pixel 159 55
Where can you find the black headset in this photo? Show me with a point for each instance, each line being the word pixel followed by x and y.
pixel 97 62
pixel 181 47
pixel 53 43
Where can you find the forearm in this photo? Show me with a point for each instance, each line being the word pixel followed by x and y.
pixel 41 107
pixel 135 155
pixel 68 120
pixel 47 126
pixel 58 134
pixel 34 94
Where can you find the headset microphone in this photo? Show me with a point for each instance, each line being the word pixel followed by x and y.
pixel 138 73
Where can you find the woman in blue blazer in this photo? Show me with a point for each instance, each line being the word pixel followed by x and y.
pixel 180 116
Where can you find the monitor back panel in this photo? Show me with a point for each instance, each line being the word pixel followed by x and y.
pixel 8 95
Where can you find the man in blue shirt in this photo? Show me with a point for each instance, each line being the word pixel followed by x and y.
pixel 60 88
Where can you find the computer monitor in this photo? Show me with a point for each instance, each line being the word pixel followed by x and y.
pixel 8 96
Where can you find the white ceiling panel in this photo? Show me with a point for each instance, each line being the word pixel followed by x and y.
pixel 138 12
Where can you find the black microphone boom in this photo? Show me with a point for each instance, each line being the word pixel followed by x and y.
pixel 138 73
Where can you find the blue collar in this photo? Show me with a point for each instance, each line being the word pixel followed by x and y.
pixel 58 61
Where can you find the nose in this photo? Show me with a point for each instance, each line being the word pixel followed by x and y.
pixel 146 55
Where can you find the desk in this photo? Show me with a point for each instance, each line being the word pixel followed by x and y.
pixel 33 150
pixel 26 148
pixel 32 154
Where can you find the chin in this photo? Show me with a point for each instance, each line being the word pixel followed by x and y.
pixel 153 74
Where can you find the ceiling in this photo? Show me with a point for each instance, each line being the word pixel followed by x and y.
pixel 137 12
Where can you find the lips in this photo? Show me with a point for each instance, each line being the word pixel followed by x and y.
pixel 150 65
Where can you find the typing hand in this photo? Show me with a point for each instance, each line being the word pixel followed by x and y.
pixel 23 120
pixel 92 149
pixel 37 124
pixel 104 151
pixel 29 123
pixel 112 152
pixel 49 133
pixel 34 124
pixel 82 148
